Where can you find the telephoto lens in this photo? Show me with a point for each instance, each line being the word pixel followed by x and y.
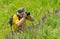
pixel 28 13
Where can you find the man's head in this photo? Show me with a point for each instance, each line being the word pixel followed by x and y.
pixel 21 11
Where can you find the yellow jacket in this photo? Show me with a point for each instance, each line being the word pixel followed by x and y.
pixel 15 20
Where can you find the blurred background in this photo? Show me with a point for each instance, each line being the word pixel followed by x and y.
pixel 45 12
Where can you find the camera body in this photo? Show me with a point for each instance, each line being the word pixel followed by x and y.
pixel 28 13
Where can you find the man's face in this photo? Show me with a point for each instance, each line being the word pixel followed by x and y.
pixel 21 14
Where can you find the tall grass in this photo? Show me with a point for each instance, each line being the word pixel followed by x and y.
pixel 47 11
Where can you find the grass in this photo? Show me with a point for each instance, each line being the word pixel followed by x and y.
pixel 49 29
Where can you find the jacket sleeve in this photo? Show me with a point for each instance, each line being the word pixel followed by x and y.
pixel 29 18
pixel 15 19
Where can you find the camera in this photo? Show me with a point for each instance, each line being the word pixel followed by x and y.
pixel 28 13
pixel 22 10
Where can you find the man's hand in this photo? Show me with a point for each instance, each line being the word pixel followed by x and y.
pixel 24 15
pixel 22 19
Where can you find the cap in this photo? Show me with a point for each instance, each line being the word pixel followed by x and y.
pixel 21 10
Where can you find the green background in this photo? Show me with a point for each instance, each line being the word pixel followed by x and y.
pixel 49 29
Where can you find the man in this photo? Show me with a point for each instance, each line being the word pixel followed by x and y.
pixel 19 23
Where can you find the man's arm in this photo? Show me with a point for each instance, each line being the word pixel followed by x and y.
pixel 19 23
pixel 30 18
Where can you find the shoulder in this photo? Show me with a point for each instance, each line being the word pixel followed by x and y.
pixel 15 16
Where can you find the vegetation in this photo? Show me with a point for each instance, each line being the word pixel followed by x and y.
pixel 45 12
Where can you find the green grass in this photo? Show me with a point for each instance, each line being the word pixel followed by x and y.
pixel 50 29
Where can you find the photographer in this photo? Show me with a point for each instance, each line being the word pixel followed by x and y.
pixel 19 20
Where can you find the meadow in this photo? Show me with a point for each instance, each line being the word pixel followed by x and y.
pixel 45 12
